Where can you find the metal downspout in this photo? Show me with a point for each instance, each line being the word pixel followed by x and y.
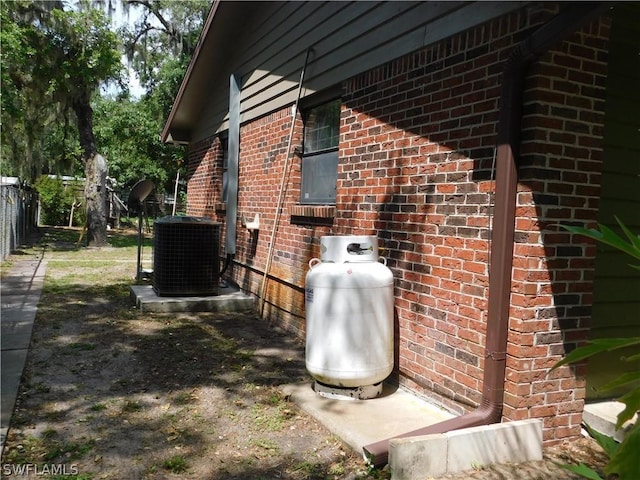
pixel 232 169
pixel 501 264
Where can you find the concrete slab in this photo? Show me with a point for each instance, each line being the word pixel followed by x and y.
pixel 230 299
pixel 513 442
pixel 19 295
pixel 413 457
pixel 361 422
pixel 12 367
pixel 16 341
pixel 603 416
pixel 416 458
pixel 19 301
pixel 14 288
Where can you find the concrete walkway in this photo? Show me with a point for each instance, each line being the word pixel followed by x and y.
pixel 19 293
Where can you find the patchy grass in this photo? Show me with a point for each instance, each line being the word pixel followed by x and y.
pixel 176 464
pixel 98 407
pixel 126 394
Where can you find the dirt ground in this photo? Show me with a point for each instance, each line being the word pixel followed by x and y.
pixel 113 393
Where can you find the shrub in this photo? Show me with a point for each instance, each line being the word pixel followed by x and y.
pixel 56 201
pixel 624 461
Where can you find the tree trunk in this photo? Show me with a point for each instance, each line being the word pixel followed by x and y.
pixel 95 194
pixel 95 171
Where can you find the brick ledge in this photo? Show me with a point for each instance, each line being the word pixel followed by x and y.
pixel 313 211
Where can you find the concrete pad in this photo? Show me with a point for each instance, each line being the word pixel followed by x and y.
pixel 20 294
pixel 23 311
pixel 22 303
pixel 9 323
pixel 229 300
pixel 15 288
pixel 603 416
pixel 16 341
pixel 30 271
pixel 12 362
pixel 16 320
pixel 361 422
pixel 416 458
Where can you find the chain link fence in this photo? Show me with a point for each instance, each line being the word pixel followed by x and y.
pixel 18 214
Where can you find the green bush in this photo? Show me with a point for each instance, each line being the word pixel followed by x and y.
pixel 56 201
pixel 624 461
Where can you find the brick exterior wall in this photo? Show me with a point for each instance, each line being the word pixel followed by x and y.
pixel 204 175
pixel 417 140
pixel 561 159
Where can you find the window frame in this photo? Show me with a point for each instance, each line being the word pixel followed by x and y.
pixel 317 157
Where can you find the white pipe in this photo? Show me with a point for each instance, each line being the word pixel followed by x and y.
pixel 175 194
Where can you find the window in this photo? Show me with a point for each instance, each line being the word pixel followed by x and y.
pixel 320 154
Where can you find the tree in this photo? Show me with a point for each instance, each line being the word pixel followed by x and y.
pixel 159 46
pixel 58 61
pixel 54 60
pixel 128 133
pixel 164 26
pixel 27 98
pixel 85 54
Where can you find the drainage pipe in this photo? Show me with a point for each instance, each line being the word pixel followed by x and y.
pixel 501 261
pixel 232 170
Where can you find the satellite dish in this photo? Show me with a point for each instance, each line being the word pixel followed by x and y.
pixel 139 192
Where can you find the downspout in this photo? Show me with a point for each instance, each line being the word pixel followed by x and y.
pixel 232 171
pixel 501 262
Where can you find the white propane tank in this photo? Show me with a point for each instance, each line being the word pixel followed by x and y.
pixel 349 318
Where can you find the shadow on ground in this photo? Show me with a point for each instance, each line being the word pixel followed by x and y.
pixel 123 394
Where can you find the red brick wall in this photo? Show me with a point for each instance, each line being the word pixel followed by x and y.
pixel 204 175
pixel 560 183
pixel 417 143
pixel 419 139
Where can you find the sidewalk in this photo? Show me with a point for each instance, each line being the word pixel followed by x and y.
pixel 20 292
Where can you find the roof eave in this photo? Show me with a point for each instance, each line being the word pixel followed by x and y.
pixel 166 136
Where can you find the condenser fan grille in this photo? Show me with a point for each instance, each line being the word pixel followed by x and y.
pixel 186 256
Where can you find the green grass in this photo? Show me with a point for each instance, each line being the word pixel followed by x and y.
pixel 176 464
pixel 308 468
pixel 59 235
pixel 30 450
pixel 130 240
pixel 184 398
pixel 39 387
pixel 69 450
pixel 79 346
pixel 266 444
pixel 98 407
pixel 269 418
pixel 131 406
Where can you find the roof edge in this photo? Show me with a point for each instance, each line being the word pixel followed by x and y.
pixel 165 136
